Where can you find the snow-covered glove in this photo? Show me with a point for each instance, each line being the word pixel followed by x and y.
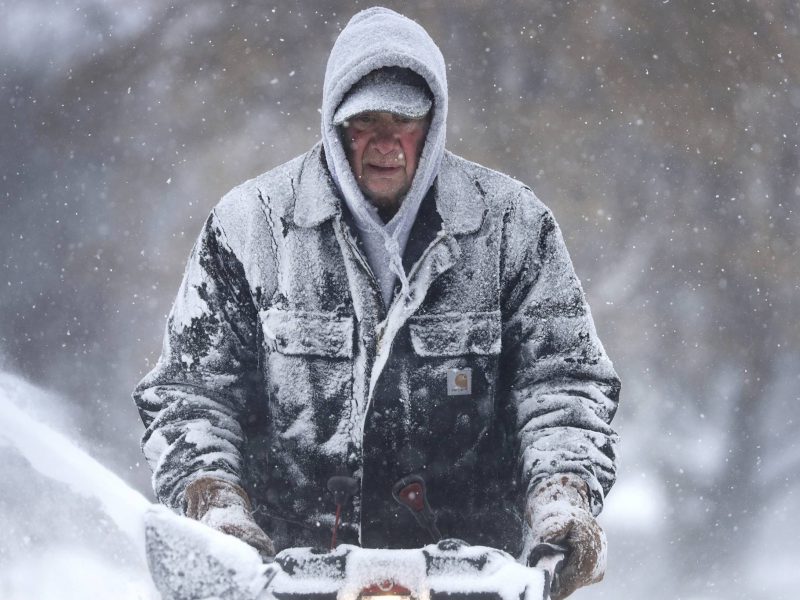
pixel 558 513
pixel 225 506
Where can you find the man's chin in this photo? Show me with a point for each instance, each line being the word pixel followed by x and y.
pixel 384 196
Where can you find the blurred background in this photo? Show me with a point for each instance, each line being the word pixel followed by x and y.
pixel 664 135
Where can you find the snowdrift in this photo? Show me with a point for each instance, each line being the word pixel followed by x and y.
pixel 72 529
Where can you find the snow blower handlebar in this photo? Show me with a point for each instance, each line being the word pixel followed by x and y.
pixel 188 561
pixel 549 558
pixel 449 570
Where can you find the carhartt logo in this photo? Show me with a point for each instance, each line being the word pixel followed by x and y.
pixel 459 382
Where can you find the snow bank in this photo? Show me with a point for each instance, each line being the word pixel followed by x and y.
pixel 72 529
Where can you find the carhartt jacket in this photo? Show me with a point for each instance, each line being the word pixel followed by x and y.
pixel 282 366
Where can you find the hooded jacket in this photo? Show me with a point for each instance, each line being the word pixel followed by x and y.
pixel 376 38
pixel 282 365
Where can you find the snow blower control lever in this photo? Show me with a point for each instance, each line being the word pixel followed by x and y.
pixel 410 492
pixel 343 488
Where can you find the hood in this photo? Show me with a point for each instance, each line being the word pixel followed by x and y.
pixel 376 38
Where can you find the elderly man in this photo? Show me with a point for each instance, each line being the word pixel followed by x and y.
pixel 379 309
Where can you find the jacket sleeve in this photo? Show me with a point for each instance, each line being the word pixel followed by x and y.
pixel 192 403
pixel 561 386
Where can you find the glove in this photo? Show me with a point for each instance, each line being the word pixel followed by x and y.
pixel 224 506
pixel 558 512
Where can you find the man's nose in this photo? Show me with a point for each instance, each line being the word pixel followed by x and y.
pixel 386 140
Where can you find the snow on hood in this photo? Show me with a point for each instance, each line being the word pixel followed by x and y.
pixel 376 38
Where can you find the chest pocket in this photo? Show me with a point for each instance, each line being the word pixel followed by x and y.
pixel 309 380
pixel 456 334
pixel 452 389
pixel 305 333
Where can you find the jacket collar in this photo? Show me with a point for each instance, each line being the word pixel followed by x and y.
pixel 315 196
pixel 459 200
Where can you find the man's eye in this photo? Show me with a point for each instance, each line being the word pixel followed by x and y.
pixel 407 123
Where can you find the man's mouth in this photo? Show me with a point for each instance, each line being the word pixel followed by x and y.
pixel 384 168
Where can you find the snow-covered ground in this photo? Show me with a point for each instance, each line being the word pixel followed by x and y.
pixel 72 529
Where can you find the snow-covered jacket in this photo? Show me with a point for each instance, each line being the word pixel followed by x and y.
pixel 281 367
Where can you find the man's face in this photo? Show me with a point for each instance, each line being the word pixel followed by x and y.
pixel 383 150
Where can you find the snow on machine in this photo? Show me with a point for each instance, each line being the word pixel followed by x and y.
pixel 188 560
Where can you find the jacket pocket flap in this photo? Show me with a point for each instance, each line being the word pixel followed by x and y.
pixel 455 334
pixel 296 332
